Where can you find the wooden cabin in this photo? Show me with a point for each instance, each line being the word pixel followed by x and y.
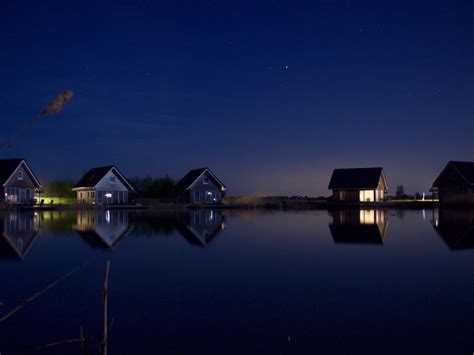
pixel 455 184
pixel 358 185
pixel 18 182
pixel 200 186
pixel 104 186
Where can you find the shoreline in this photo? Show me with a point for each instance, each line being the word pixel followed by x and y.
pixel 274 204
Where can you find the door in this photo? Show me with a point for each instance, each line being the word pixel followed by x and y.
pixel 108 197
pixel 208 197
pixel 28 195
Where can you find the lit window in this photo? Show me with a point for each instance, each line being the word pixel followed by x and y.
pixel 205 181
pixel 20 175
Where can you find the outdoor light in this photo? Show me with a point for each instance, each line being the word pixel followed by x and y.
pixel 108 195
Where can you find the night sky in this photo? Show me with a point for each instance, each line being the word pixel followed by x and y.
pixel 270 95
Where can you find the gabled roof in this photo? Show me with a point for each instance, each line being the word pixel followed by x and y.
pixel 359 178
pixel 94 175
pixel 464 168
pixel 8 168
pixel 192 176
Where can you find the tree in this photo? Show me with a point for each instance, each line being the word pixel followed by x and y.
pixel 400 191
pixel 59 188
pixel 154 187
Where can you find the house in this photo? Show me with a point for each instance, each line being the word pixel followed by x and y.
pixel 200 186
pixel 18 182
pixel 354 226
pixel 358 185
pixel 104 186
pixel 455 184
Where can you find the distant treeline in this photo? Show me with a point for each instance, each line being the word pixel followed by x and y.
pixel 147 187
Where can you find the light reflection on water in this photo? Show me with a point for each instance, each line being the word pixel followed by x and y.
pixel 205 281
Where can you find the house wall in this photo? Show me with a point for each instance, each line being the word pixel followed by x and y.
pixel 346 195
pixel 360 195
pixel 456 195
pixel 86 196
pixel 201 193
pixel 19 194
pixel 119 192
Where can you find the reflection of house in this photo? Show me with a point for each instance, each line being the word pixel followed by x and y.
pixel 359 226
pixel 358 185
pixel 455 184
pixel 455 227
pixel 103 228
pixel 200 227
pixel 18 232
pixel 18 182
pixel 104 185
pixel 200 186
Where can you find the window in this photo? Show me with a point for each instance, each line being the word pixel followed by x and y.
pixel 112 179
pixel 196 196
pixel 100 196
pixel 80 195
pixel 28 194
pixel 205 181
pixel 342 195
pixel 20 175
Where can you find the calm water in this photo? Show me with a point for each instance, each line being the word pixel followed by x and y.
pixel 210 282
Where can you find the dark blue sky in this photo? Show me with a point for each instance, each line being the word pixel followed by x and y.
pixel 270 95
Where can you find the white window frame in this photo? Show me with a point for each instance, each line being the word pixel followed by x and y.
pixel 20 175
pixel 205 180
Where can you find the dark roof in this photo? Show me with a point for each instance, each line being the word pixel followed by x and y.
pixel 191 176
pixel 359 178
pixel 94 175
pixel 465 168
pixel 8 167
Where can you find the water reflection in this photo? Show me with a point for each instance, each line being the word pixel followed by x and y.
pixel 200 227
pixel 455 227
pixel 359 226
pixel 107 228
pixel 18 230
pixel 103 229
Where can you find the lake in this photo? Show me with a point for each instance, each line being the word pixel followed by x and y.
pixel 240 282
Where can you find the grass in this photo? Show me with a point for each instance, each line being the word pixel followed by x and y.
pixel 58 200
